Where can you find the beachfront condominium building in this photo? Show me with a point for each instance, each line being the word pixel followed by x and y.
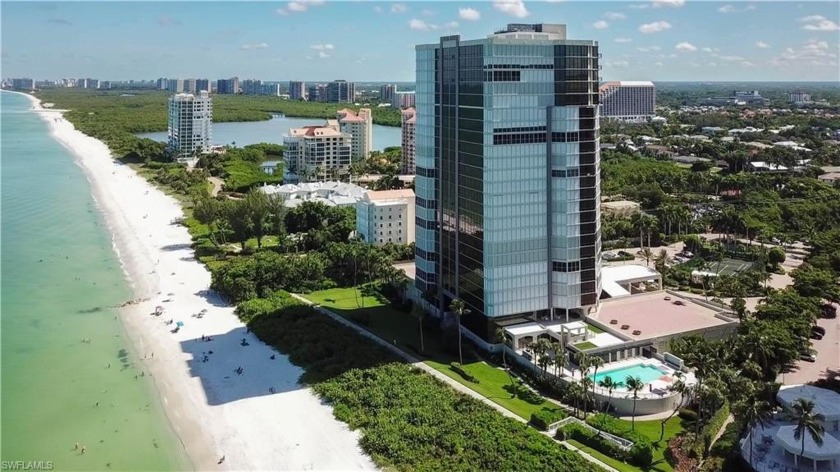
pixel 162 84
pixel 190 124
pixel 175 85
pixel 630 101
pixel 341 91
pixel 507 176
pixel 409 121
pixel 317 152
pixel 317 93
pixel 360 127
pixel 403 100
pixel 190 86
pixel 297 90
pixel 386 93
pixel 386 216
pixel 23 84
pixel 227 86
pixel 202 85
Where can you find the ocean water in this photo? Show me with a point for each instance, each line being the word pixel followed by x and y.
pixel 60 278
pixel 272 131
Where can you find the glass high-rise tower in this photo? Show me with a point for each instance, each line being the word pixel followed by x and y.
pixel 508 175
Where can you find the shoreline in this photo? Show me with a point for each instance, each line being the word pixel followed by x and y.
pixel 262 419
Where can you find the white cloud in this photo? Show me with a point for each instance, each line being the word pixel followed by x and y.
pixel 667 3
pixel 730 58
pixel 614 16
pixel 469 14
pixel 511 7
pixel 623 40
pixel 428 12
pixel 398 8
pixel 747 64
pixel 600 24
pixel 685 46
pixel 617 64
pixel 640 6
pixel 378 9
pixel 648 49
pixel 323 55
pixel 726 9
pixel 711 64
pixel 706 49
pixel 322 47
pixel 813 52
pixel 420 25
pixel 657 64
pixel 248 47
pixel 655 27
pixel 818 23
pixel 299 6
pixel 761 45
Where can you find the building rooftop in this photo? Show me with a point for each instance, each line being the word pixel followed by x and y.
pixel 626 83
pixel 315 131
pixel 652 316
pixel 383 195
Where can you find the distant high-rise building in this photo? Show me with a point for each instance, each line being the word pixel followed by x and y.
pixel 190 86
pixel 403 100
pixel 318 93
pixel 190 124
pixel 507 175
pixel 176 85
pixel 270 89
pixel 23 84
pixel 799 97
pixel 297 90
pixel 386 93
pixel 202 85
pixel 360 127
pixel 341 91
pixel 87 83
pixel 162 83
pixel 409 120
pixel 228 86
pixel 631 101
pixel 251 87
pixel 315 152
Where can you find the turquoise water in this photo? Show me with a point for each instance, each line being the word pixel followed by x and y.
pixel 60 276
pixel 272 131
pixel 645 372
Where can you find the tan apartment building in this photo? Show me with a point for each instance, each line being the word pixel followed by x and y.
pixel 316 152
pixel 360 127
pixel 408 124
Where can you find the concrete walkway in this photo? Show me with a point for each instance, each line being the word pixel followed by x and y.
pixel 457 386
pixel 217 185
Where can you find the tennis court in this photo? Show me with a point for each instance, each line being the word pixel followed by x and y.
pixel 731 266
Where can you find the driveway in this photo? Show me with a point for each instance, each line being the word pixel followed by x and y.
pixel 828 357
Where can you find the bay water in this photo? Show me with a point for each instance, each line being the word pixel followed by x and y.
pixel 68 370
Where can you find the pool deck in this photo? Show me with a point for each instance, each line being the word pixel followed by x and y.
pixel 653 316
pixel 655 389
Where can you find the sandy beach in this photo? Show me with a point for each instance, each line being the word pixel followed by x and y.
pixel 261 419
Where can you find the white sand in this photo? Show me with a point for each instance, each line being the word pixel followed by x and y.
pixel 214 411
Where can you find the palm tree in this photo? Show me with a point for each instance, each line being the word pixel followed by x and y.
pixel 608 383
pixel 802 413
pixel 585 384
pixel 501 337
pixel 647 255
pixel 752 411
pixel 561 356
pixel 635 385
pixel 596 363
pixel 459 308
pixel 419 313
pixel 541 348
pixel 679 386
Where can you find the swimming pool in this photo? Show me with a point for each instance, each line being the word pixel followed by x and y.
pixel 647 373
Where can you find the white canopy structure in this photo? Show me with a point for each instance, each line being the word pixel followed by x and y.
pixel 826 402
pixel 828 451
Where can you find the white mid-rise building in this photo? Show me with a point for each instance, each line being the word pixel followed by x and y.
pixel 625 100
pixel 386 93
pixel 386 217
pixel 316 152
pixel 360 126
pixel 799 97
pixel 409 121
pixel 190 124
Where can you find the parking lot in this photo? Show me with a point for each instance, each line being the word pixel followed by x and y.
pixel 828 357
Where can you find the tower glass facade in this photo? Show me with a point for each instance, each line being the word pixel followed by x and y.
pixel 508 174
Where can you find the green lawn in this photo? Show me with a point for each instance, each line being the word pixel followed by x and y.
pixel 594 329
pixel 651 429
pixel 494 384
pixel 585 345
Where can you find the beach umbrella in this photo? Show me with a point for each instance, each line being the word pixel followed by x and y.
pixel 204 310
pixel 158 308
pixel 179 324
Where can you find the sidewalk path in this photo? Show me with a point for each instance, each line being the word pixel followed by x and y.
pixel 414 361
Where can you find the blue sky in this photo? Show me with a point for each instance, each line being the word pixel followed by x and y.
pixel 373 41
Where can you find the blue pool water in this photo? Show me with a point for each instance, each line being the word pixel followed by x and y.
pixel 646 373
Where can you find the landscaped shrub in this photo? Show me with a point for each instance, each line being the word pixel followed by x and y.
pixel 640 454
pixel 544 418
pixel 704 441
pixel 727 441
pixel 593 440
pixel 459 369
pixel 687 414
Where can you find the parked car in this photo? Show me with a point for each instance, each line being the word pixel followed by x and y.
pixel 816 335
pixel 624 254
pixel 829 311
pixel 808 356
pixel 610 255
pixel 818 329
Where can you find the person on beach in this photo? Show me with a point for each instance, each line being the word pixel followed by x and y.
pixel 221 460
pixel 77 447
pixel 83 450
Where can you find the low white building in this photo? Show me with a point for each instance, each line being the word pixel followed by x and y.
pixel 328 193
pixel 386 217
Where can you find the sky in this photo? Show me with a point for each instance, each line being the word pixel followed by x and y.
pixel 659 40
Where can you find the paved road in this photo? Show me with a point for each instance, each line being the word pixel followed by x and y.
pixel 217 185
pixel 828 357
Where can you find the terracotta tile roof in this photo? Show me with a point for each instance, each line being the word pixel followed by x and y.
pixel 390 194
